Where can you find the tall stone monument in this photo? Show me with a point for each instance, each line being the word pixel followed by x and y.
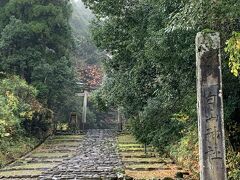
pixel 210 107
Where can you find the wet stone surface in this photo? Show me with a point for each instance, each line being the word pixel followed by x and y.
pixel 96 158
pixel 55 150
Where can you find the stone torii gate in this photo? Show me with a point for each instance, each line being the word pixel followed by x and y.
pixel 85 95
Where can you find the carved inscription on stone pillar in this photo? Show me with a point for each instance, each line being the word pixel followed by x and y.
pixel 210 107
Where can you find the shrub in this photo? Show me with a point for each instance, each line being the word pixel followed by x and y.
pixel 20 112
pixel 233 164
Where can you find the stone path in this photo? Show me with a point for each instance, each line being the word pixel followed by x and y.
pixel 51 153
pixel 96 158
pixel 100 154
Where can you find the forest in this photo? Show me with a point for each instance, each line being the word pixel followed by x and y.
pixel 149 70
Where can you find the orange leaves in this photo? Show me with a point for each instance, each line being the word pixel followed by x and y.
pixel 91 75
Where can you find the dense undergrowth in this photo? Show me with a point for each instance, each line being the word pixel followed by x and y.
pixel 15 147
pixel 24 121
pixel 185 151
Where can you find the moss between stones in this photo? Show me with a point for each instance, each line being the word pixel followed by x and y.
pixel 145 160
pixel 67 137
pixel 50 154
pixel 147 166
pixel 32 166
pixel 20 173
pixel 126 139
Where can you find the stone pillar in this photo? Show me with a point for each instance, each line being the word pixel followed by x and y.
pixel 119 120
pixel 84 113
pixel 210 107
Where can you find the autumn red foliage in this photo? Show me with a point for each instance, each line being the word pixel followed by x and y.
pixel 91 76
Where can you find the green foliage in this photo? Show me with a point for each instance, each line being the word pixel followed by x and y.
pixel 219 16
pixel 21 113
pixel 233 49
pixel 207 14
pixel 185 151
pixel 18 107
pixel 138 76
pixel 233 164
pixel 91 119
pixel 99 100
pixel 14 147
pixel 15 104
pixel 35 44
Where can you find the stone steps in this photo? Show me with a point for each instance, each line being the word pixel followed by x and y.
pixel 96 157
pixel 139 156
pixel 141 165
pixel 41 159
pixel 23 177
pixel 142 162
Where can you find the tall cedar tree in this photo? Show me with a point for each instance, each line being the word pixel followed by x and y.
pixel 35 44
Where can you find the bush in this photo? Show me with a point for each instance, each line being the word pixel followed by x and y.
pixel 186 150
pixel 233 164
pixel 15 104
pixel 24 122
pixel 20 112
pixel 41 125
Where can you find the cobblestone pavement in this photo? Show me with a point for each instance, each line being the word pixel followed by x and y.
pixel 96 158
